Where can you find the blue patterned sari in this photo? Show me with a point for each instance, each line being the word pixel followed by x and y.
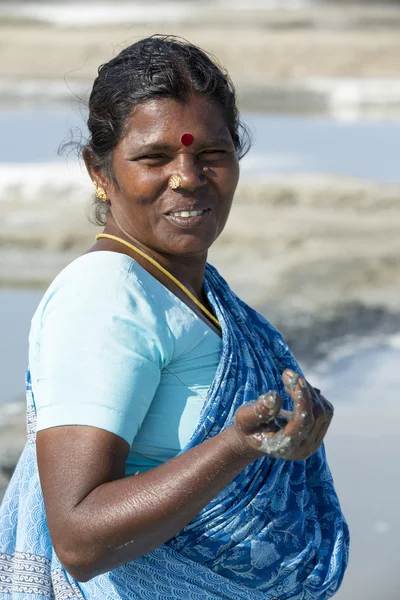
pixel 277 531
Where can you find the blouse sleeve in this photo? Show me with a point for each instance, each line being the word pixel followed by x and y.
pixel 101 347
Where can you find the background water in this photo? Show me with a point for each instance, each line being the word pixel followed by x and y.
pixel 281 143
pixel 16 310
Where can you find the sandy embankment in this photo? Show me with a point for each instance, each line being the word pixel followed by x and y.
pixel 293 245
pixel 264 51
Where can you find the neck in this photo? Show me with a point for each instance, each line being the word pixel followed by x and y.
pixel 188 270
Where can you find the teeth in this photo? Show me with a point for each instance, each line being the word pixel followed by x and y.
pixel 187 213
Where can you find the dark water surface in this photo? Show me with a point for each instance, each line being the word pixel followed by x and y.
pixel 282 144
pixel 16 310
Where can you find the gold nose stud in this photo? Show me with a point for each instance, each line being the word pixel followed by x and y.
pixel 175 182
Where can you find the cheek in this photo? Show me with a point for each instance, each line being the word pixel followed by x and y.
pixel 139 186
pixel 229 180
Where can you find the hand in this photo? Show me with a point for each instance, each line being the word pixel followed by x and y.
pixel 263 428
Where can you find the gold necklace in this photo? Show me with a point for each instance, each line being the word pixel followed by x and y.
pixel 167 273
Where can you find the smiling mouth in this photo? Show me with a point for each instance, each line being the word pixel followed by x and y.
pixel 188 213
pixel 188 218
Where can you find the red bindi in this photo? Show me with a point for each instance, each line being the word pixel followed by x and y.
pixel 187 139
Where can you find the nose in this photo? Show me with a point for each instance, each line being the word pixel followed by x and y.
pixel 190 172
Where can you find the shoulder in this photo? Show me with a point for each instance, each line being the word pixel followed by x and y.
pixel 97 278
pixel 94 268
pixel 108 286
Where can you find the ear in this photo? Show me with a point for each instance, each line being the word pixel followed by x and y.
pixel 95 173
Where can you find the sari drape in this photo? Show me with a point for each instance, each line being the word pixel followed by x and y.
pixel 276 531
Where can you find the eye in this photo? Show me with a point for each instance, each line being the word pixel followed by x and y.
pixel 153 159
pixel 214 154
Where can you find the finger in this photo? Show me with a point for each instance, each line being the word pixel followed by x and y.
pixel 286 414
pixel 321 405
pixel 314 393
pixel 265 409
pixel 291 379
pixel 312 388
pixel 284 442
pixel 283 418
pixel 302 435
pixel 320 418
pixel 319 411
pixel 280 422
pixel 325 409
pixel 303 418
pixel 322 432
pixel 320 435
pixel 276 445
pixel 327 405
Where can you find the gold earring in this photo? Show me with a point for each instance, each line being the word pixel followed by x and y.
pixel 100 192
pixel 175 182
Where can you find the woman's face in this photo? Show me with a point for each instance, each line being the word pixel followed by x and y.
pixel 146 157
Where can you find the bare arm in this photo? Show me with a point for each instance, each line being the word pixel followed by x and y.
pixel 99 520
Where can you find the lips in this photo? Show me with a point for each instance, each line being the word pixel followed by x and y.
pixel 179 209
pixel 185 222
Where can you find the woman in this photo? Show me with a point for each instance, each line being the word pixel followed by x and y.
pixel 174 447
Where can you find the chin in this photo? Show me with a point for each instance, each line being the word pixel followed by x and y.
pixel 190 248
pixel 188 245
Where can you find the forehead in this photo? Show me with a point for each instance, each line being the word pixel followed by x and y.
pixel 166 120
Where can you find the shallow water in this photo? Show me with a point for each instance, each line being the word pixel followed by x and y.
pixel 16 310
pixel 281 144
pixel 363 452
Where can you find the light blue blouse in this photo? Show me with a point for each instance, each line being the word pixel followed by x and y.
pixel 111 347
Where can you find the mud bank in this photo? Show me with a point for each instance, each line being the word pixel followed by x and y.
pixel 294 244
pixel 262 49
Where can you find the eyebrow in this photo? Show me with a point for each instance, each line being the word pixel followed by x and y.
pixel 160 146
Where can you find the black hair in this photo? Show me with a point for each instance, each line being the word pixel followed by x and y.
pixel 154 67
